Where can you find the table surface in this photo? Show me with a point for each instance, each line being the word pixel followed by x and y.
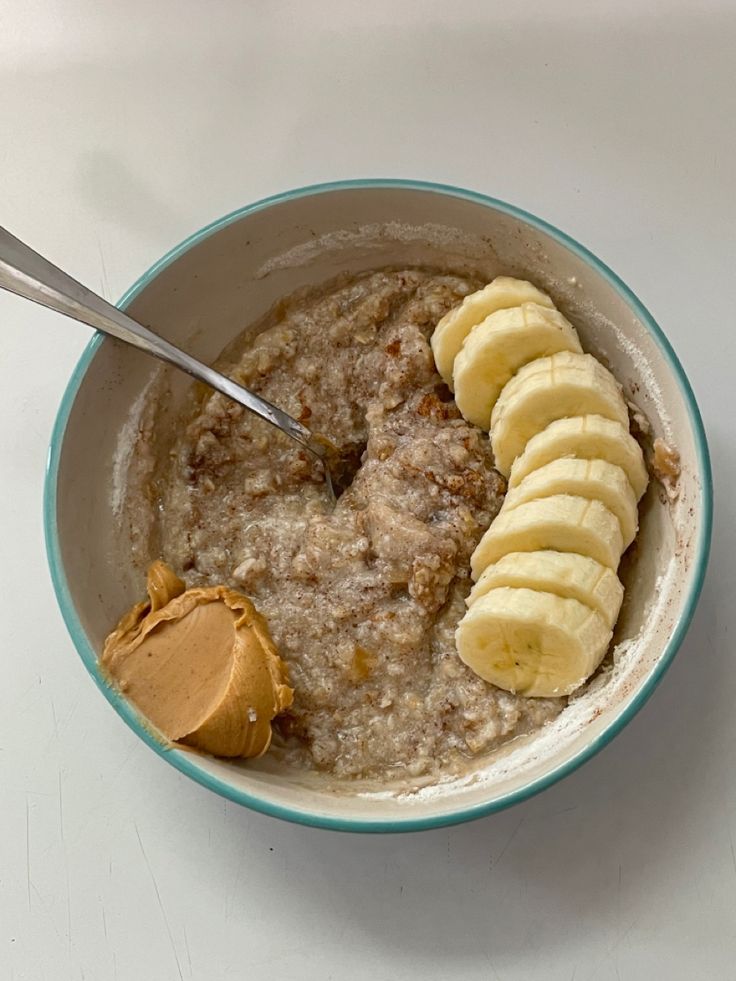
pixel 127 126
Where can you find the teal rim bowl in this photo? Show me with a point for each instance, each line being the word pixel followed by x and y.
pixel 187 762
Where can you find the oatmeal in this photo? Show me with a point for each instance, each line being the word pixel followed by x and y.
pixel 362 601
pixel 666 467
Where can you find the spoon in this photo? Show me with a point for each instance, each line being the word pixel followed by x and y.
pixel 28 274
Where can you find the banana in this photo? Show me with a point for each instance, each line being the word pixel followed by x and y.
pixel 565 384
pixel 565 574
pixel 563 523
pixel 451 331
pixel 532 643
pixel 586 438
pixel 546 597
pixel 593 479
pixel 496 348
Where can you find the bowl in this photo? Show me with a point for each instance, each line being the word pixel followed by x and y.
pixel 201 295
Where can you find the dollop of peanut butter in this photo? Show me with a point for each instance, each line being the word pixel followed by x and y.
pixel 200 665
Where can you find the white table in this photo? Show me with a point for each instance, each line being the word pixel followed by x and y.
pixel 126 126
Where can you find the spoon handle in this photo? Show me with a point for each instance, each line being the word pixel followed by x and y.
pixel 28 274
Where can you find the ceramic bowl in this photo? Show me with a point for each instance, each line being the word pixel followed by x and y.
pixel 205 291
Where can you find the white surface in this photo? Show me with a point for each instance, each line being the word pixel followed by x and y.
pixel 127 126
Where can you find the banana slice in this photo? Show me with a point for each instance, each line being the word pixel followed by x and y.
pixel 532 643
pixel 451 331
pixel 586 438
pixel 496 348
pixel 596 480
pixel 562 523
pixel 565 574
pixel 563 385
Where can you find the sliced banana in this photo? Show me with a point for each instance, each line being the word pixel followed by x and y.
pixel 596 480
pixel 562 523
pixel 451 331
pixel 498 347
pixel 584 437
pixel 565 574
pixel 532 643
pixel 547 596
pixel 563 385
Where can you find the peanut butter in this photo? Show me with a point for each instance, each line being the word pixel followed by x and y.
pixel 200 665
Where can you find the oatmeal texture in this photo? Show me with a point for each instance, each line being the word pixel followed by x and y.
pixel 666 467
pixel 362 601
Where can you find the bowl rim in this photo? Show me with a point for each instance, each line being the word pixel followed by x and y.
pixel 185 762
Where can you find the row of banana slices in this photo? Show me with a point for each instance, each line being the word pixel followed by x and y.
pixel 546 596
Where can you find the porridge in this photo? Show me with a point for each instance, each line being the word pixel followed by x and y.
pixel 362 601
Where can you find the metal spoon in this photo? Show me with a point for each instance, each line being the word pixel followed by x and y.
pixel 28 274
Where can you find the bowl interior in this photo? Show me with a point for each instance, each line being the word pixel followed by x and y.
pixel 203 294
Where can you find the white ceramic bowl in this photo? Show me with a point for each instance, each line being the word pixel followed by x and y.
pixel 201 295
